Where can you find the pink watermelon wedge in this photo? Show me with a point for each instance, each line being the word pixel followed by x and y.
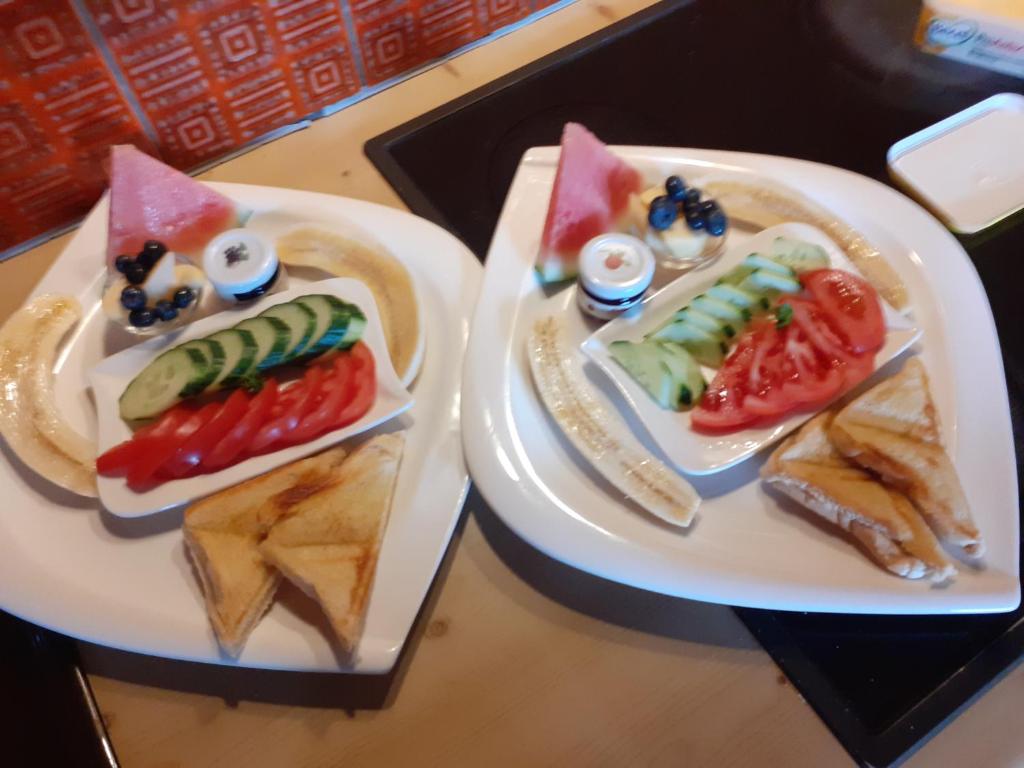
pixel 152 201
pixel 591 194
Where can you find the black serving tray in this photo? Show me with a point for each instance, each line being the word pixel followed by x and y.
pixel 835 81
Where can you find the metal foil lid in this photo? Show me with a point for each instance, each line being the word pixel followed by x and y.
pixel 239 261
pixel 616 266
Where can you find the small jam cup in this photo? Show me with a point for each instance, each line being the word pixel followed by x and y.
pixel 615 271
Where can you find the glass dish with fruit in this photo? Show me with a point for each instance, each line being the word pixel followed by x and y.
pixel 152 291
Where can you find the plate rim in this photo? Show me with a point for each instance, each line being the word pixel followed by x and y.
pixel 530 510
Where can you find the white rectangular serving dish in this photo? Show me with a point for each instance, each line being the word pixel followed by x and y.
pixel 690 451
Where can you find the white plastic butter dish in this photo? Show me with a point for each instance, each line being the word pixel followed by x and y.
pixel 968 168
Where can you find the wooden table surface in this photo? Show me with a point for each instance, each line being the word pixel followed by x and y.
pixel 516 659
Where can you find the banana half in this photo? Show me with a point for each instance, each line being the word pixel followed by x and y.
pixel 29 419
pixel 612 450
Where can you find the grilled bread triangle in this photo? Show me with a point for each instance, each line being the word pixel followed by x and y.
pixel 893 429
pixel 809 469
pixel 328 543
pixel 223 533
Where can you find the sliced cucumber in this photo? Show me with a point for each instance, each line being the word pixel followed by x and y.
pixel 173 376
pixel 214 354
pixel 757 261
pixel 272 338
pixel 301 322
pixel 771 281
pixel 736 275
pixel 735 296
pixel 706 348
pixel 706 322
pixel 240 350
pixel 723 310
pixel 798 255
pixel 332 317
pixel 686 374
pixel 644 363
pixel 356 326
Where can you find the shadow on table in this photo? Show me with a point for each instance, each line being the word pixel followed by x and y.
pixel 348 692
pixel 646 612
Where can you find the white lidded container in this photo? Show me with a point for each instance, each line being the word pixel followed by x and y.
pixel 242 265
pixel 969 168
pixel 615 270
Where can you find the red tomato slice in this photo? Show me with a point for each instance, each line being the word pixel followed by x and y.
pixel 158 450
pixel 274 431
pixel 119 459
pixel 337 391
pixel 720 411
pixel 851 306
pixel 189 455
pixel 364 390
pixel 230 448
pixel 809 318
pixel 806 380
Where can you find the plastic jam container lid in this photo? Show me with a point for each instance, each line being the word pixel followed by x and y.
pixel 616 268
pixel 969 168
pixel 239 262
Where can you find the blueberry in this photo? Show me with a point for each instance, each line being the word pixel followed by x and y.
pixel 142 318
pixel 147 259
pixel 662 213
pixel 165 310
pixel 183 297
pixel 717 223
pixel 155 248
pixel 695 221
pixel 133 298
pixel 136 273
pixel 692 196
pixel 121 263
pixel 708 207
pixel 676 189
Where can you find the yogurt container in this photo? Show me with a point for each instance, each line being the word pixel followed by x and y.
pixel 615 270
pixel 242 265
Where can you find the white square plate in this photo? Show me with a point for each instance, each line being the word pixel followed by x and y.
pixel 691 451
pixel 110 378
pixel 747 546
pixel 68 564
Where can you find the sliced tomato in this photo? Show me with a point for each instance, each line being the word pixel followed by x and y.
pixel 119 459
pixel 808 317
pixel 808 379
pixel 337 391
pixel 851 307
pixel 720 411
pixel 190 453
pixel 274 430
pixel 364 390
pixel 235 441
pixel 155 451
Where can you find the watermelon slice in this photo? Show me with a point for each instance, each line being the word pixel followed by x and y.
pixel 591 195
pixel 152 201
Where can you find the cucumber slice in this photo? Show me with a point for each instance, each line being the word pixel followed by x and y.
pixel 735 276
pixel 722 310
pixel 332 317
pixel 706 348
pixel 272 338
pixel 757 261
pixel 356 326
pixel 174 375
pixel 686 374
pixel 735 296
pixel 798 255
pixel 644 363
pixel 301 322
pixel 240 351
pixel 214 354
pixel 706 322
pixel 772 281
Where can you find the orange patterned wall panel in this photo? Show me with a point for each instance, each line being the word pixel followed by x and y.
pixel 191 80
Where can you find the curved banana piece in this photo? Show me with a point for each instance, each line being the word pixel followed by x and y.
pixel 767 206
pixel 386 277
pixel 29 418
pixel 612 450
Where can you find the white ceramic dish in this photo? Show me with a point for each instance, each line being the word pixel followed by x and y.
pixel 127 583
pixel 110 378
pixel 691 451
pixel 747 547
